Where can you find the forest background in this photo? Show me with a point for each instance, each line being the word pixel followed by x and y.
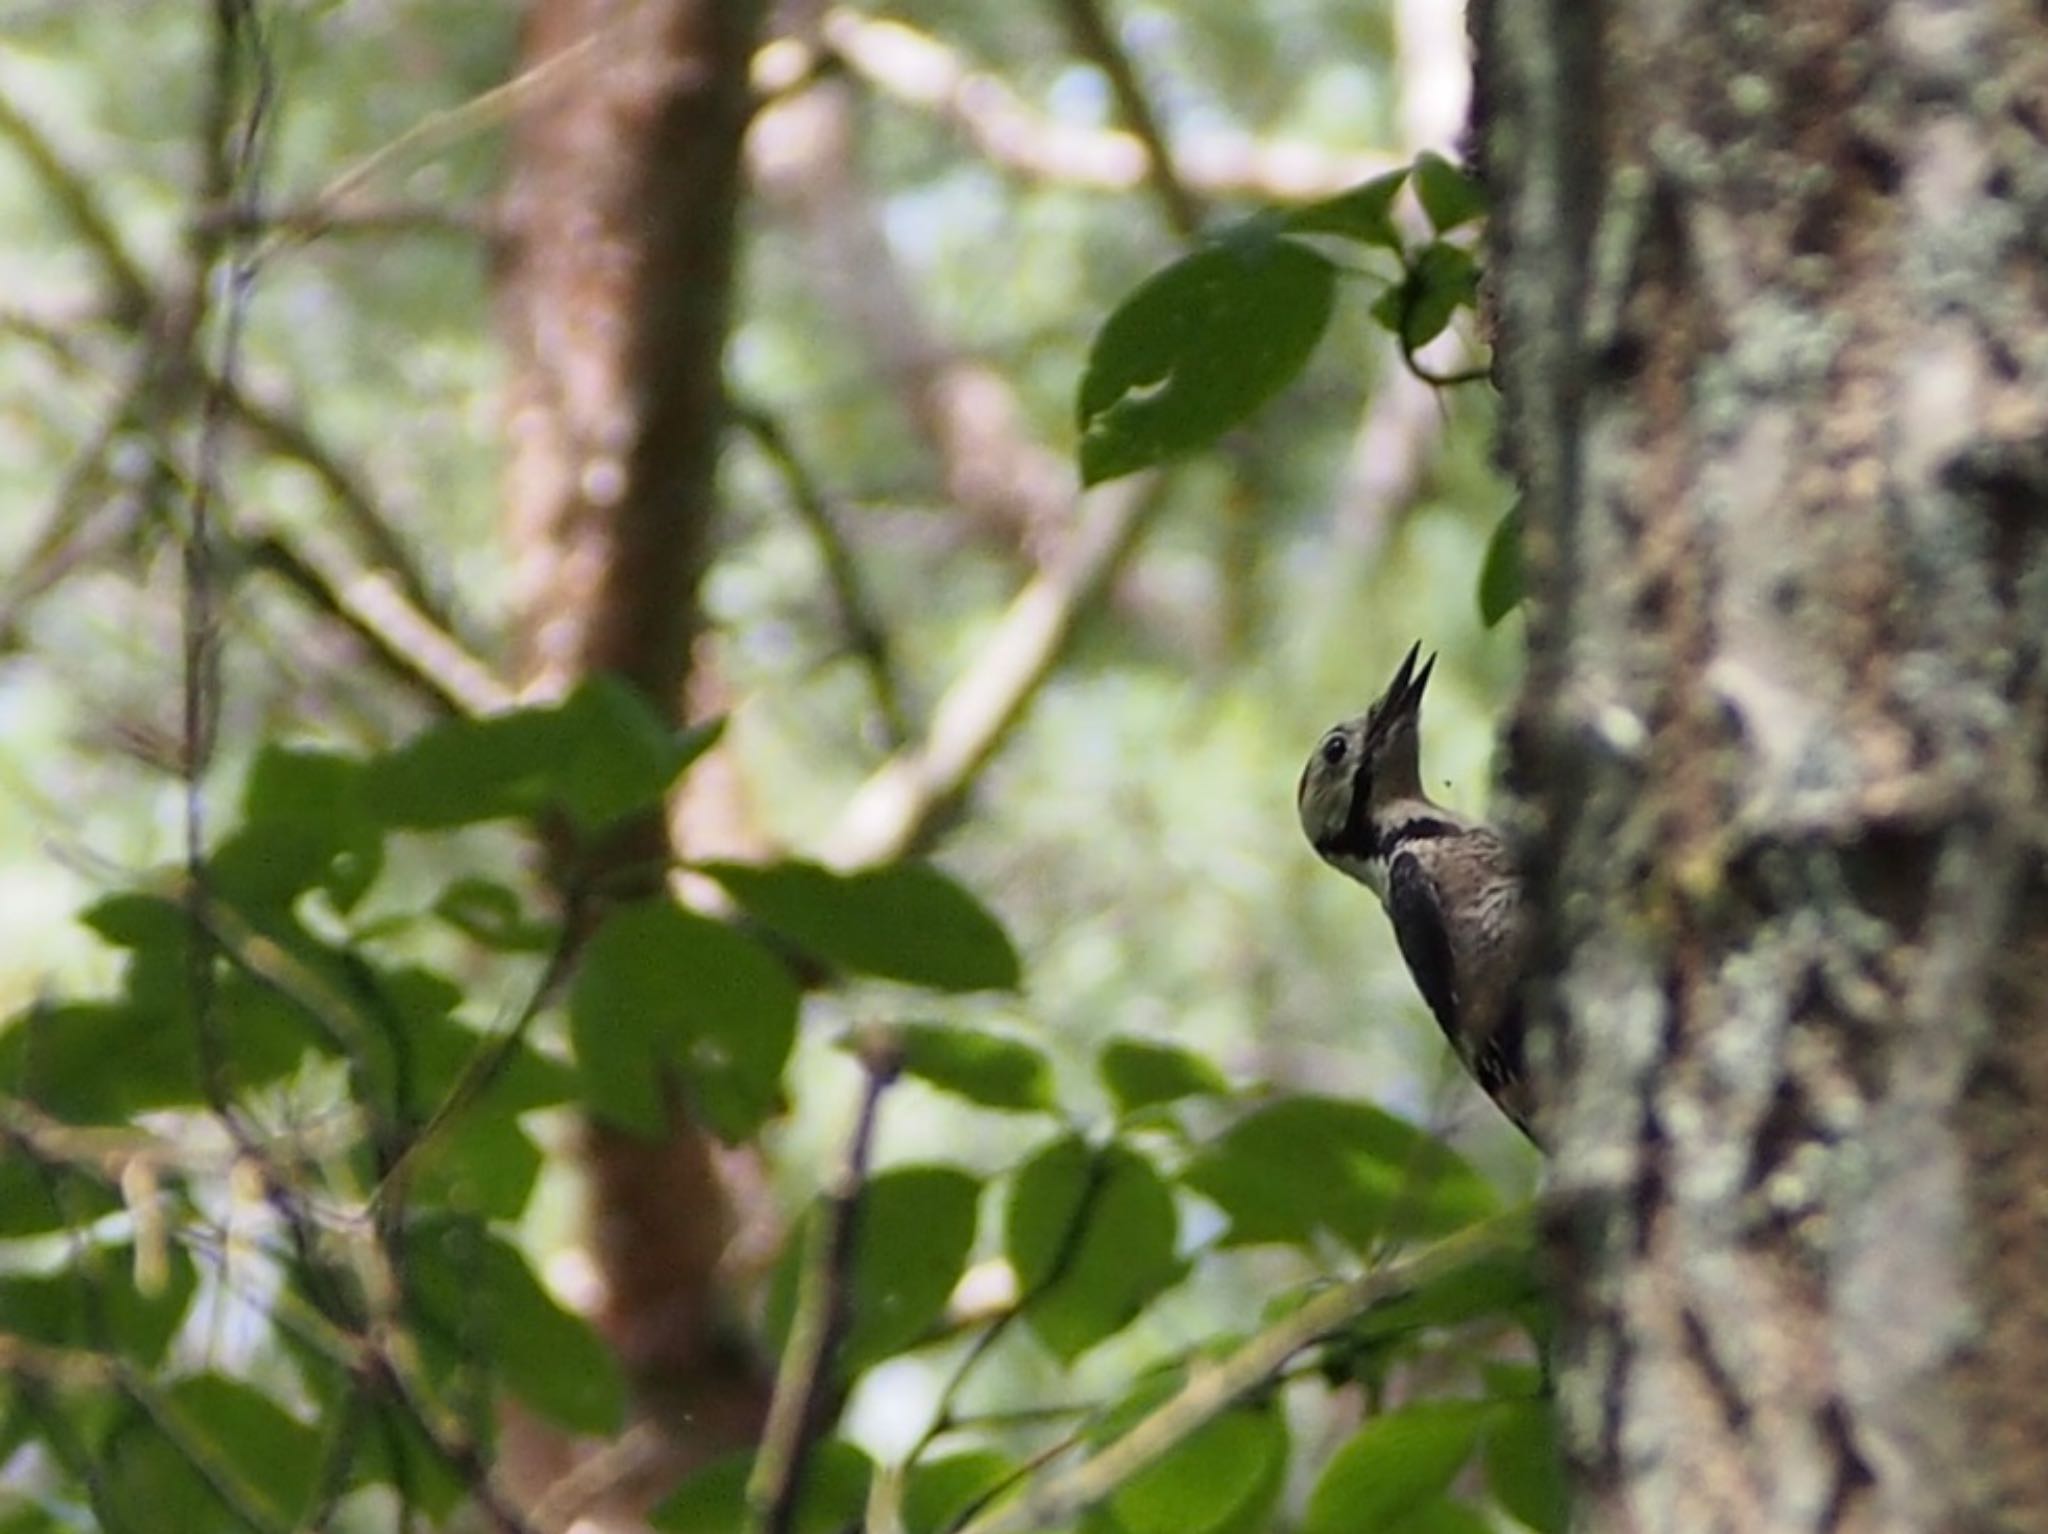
pixel 314 977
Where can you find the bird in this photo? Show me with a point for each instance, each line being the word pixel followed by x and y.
pixel 1449 883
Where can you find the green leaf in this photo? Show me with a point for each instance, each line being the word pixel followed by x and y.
pixel 621 756
pixel 306 825
pixel 98 1302
pixel 1524 1469
pixel 599 755
pixel 1395 1465
pixel 1197 348
pixel 37 1197
pixel 244 1440
pixel 56 1057
pixel 480 1163
pixel 940 1492
pixel 662 987
pixel 714 1499
pixel 1225 1471
pixel 493 915
pixel 984 1068
pixel 1305 1165
pixel 1500 575
pixel 1449 194
pixel 906 921
pixel 1141 1073
pixel 394 1452
pixel 1365 213
pixel 440 1052
pixel 1091 1236
pixel 914 1232
pixel 462 772
pixel 1418 308
pixel 1495 1284
pixel 477 1296
pixel 1442 1516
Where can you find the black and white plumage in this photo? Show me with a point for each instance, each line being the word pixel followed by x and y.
pixel 1448 883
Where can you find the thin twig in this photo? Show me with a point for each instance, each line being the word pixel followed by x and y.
pixel 491 1058
pixel 1212 1390
pixel 412 648
pixel 885 1493
pixel 627 1458
pixel 133 298
pixel 440 131
pixel 230 145
pixel 824 1298
pixel 861 629
pixel 292 437
pixel 305 221
pixel 1095 40
pixel 898 807
pixel 918 70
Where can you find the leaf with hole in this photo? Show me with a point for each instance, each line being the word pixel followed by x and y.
pixel 1197 348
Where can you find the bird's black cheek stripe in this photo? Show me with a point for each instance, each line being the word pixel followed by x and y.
pixel 1356 834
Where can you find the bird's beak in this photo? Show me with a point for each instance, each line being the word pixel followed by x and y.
pixel 1403 697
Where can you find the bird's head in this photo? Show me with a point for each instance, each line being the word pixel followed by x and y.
pixel 1362 765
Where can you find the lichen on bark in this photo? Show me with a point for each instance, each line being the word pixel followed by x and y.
pixel 1773 336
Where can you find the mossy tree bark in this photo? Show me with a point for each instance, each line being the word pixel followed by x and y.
pixel 1771 283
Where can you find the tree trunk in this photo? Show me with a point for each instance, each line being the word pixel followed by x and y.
pixel 620 212
pixel 1773 336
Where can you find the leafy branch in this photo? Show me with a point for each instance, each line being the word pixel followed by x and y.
pixel 1213 1389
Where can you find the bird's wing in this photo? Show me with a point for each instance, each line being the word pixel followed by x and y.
pixel 1412 903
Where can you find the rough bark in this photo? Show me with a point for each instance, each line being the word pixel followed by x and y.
pixel 619 220
pixel 1772 315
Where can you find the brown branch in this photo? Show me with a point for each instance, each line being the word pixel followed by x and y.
pixel 1095 41
pixel 1017 491
pixel 804 1383
pixel 590 1482
pixel 1214 1389
pixel 72 533
pixel 898 807
pixel 917 70
pixel 133 297
pixel 291 437
pixel 409 645
pixel 61 548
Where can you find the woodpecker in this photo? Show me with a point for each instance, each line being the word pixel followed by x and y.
pixel 1448 883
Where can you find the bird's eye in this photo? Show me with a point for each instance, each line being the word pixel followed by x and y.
pixel 1334 749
